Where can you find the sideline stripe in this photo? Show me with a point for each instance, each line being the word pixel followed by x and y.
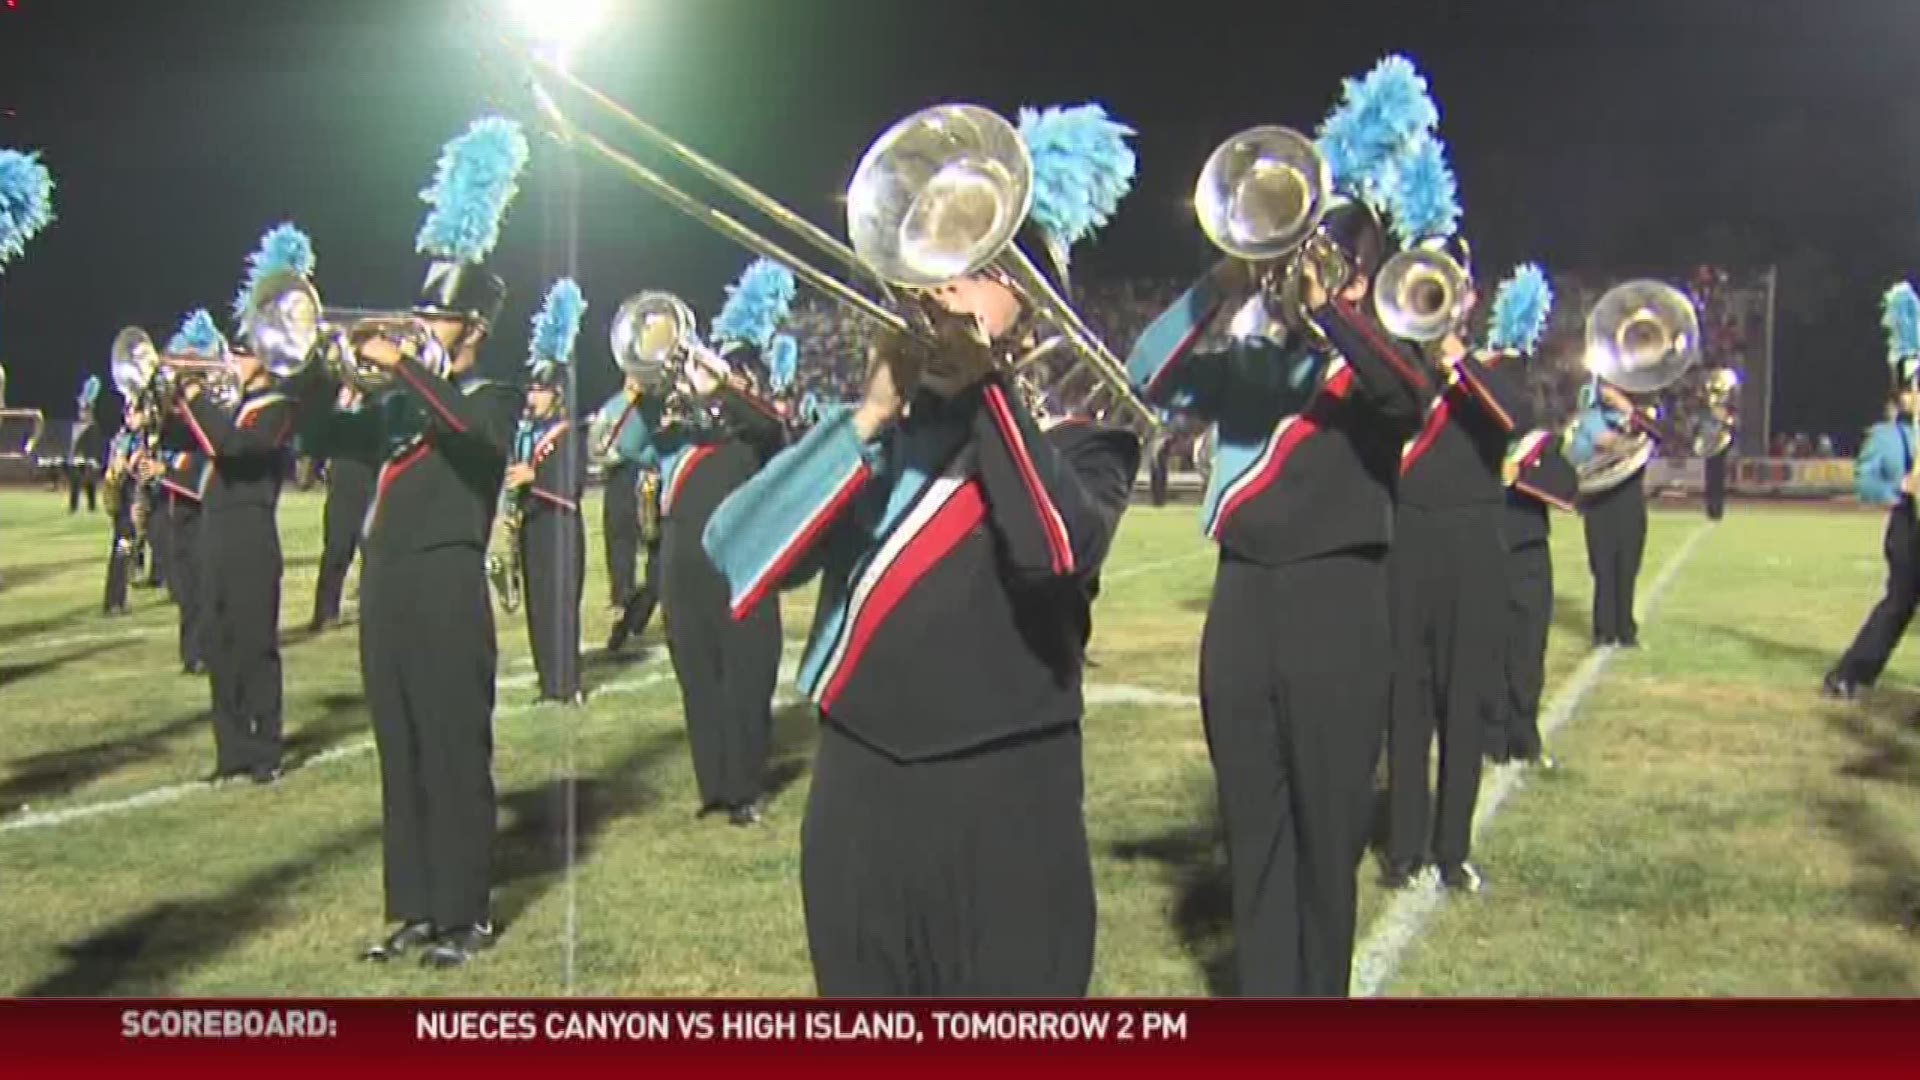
pixel 1397 928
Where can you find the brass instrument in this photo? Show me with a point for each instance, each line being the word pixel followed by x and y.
pixel 144 375
pixel 1263 197
pixel 505 567
pixel 656 343
pixel 289 328
pixel 650 507
pixel 940 195
pixel 1642 337
pixel 1714 430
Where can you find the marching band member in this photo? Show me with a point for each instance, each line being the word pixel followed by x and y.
pixel 1294 660
pixel 245 444
pixel 620 506
pixel 427 648
pixel 727 667
pixel 1449 588
pixel 349 436
pixel 83 448
pixel 1615 519
pixel 548 478
pixel 1537 477
pixel 184 478
pixel 945 849
pixel 123 458
pixel 1884 476
pixel 1721 422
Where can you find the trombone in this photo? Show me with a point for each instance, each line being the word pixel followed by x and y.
pixel 938 196
pixel 288 326
pixel 1263 197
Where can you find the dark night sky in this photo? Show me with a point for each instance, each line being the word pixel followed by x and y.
pixel 1628 134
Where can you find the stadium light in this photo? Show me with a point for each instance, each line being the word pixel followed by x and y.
pixel 559 26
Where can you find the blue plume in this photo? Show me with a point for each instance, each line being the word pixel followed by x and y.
pixel 1520 310
pixel 783 360
pixel 1082 168
pixel 89 391
pixel 1379 113
pixel 198 335
pixel 26 201
pixel 756 304
pixel 476 178
pixel 557 324
pixel 1900 315
pixel 283 248
pixel 1423 200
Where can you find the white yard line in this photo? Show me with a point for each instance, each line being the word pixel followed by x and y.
pixel 1156 565
pixel 1397 928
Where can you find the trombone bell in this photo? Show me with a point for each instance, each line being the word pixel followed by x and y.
pixel 940 195
pixel 1262 193
pixel 1421 295
pixel 1643 336
pixel 649 332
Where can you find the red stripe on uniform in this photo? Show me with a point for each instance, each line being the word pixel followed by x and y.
pixel 1052 526
pixel 1193 335
pixel 950 525
pixel 694 457
pixel 391 471
pixel 1303 429
pixel 802 540
pixel 1436 421
pixel 432 398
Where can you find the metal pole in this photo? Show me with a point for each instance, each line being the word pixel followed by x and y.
pixel 1766 389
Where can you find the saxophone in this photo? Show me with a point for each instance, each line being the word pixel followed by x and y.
pixel 504 566
pixel 650 507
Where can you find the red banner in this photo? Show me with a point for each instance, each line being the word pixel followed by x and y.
pixel 508 1038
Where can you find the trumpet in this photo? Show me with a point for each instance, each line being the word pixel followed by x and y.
pixel 143 374
pixel 656 343
pixel 940 195
pixel 1264 196
pixel 289 328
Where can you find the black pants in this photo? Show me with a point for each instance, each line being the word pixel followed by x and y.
pixel 638 609
pixel 427 655
pixel 1716 466
pixel 349 491
pixel 1867 657
pixel 1449 577
pixel 1529 616
pixel 80 477
pixel 120 554
pixel 1616 524
pixel 184 579
pixel 159 535
pixel 1157 477
pixel 727 668
pixel 241 565
pixel 1294 691
pixel 966 876
pixel 553 554
pixel 620 524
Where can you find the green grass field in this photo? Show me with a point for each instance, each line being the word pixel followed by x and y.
pixel 1716 829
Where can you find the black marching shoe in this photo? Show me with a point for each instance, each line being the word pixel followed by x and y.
pixel 267 776
pixel 1838 687
pixel 746 814
pixel 222 775
pixel 1399 874
pixel 617 637
pixel 1461 878
pixel 410 936
pixel 194 667
pixel 457 946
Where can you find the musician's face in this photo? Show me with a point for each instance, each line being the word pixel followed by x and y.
pixel 463 348
pixel 1909 401
pixel 247 366
pixel 541 401
pixel 983 296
